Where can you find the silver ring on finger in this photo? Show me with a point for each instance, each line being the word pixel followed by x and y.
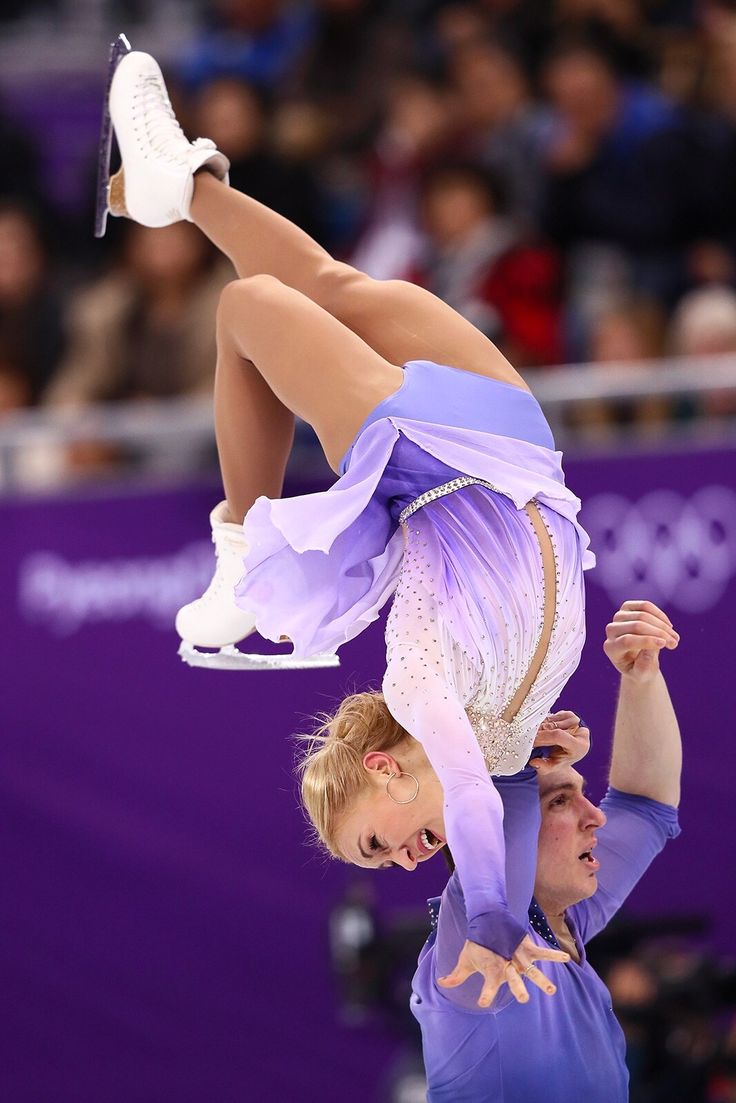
pixel 528 969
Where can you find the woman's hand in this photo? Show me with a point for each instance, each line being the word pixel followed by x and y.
pixel 568 738
pixel 635 637
pixel 496 970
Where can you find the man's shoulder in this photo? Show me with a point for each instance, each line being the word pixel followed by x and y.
pixel 636 830
pixel 617 804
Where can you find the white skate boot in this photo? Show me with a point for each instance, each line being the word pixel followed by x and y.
pixel 155 184
pixel 215 621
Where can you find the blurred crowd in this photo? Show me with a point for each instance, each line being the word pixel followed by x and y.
pixel 677 1007
pixel 561 171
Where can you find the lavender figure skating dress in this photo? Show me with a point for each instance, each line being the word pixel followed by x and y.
pixel 452 498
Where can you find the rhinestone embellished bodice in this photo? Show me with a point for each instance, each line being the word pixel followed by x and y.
pixel 469 610
pixel 498 739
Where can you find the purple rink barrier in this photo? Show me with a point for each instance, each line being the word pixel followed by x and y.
pixel 164 926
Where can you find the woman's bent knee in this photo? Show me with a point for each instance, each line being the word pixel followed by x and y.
pixel 240 296
pixel 250 288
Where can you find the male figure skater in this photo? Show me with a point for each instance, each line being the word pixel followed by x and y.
pixel 587 861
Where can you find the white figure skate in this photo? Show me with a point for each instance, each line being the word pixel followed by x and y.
pixel 154 187
pixel 118 49
pixel 155 183
pixel 215 621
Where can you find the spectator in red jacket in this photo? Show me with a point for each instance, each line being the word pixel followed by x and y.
pixel 476 259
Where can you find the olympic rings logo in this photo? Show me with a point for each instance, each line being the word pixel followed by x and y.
pixel 677 551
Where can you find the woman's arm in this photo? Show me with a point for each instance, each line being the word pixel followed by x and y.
pixel 521 816
pixel 497 945
pixel 521 819
pixel 421 700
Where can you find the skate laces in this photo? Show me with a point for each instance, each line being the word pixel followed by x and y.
pixel 228 546
pixel 229 554
pixel 162 126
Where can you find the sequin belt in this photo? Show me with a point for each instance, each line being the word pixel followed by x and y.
pixel 440 492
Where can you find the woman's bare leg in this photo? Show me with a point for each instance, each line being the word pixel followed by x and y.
pixel 280 354
pixel 324 342
pixel 399 321
pixel 254 432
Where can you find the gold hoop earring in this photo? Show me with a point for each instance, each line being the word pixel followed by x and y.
pixel 391 776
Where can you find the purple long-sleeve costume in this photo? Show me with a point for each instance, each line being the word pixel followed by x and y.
pixel 467 571
pixel 560 1048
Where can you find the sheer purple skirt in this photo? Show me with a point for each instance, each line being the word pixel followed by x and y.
pixel 321 566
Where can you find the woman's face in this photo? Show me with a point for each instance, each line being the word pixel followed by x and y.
pixel 378 833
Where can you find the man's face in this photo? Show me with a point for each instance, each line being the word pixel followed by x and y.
pixel 566 868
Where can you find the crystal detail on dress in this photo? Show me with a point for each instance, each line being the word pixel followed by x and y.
pixel 440 491
pixel 497 738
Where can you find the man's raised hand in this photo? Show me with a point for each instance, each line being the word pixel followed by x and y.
pixel 635 637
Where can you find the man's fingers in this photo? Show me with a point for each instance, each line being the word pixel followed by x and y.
pixel 565 746
pixel 647 607
pixel 642 614
pixel 560 737
pixel 548 738
pixel 562 719
pixel 619 628
pixel 636 638
pixel 660 623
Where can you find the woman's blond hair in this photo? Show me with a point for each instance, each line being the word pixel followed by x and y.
pixel 330 769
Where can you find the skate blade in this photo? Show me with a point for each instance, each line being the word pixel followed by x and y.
pixel 229 658
pixel 118 49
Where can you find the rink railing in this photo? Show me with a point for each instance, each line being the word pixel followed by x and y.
pixel 174 437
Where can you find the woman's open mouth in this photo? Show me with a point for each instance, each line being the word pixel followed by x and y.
pixel 428 842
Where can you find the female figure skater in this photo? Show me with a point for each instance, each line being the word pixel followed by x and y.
pixel 450 495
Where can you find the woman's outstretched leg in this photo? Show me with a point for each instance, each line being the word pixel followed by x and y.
pixel 163 178
pixel 279 355
pixel 399 321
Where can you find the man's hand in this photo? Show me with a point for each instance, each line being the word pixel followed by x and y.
pixel 568 738
pixel 635 637
pixel 496 970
